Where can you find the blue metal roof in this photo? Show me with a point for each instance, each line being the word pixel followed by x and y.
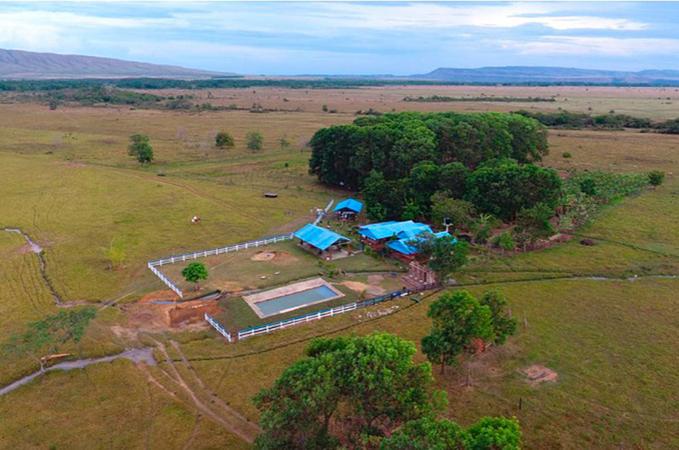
pixel 405 247
pixel 350 204
pixel 385 230
pixel 319 237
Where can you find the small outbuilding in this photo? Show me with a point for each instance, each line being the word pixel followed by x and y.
pixel 348 209
pixel 325 243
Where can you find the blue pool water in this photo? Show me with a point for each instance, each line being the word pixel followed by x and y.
pixel 297 300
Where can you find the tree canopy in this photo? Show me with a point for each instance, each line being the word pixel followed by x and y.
pixel 194 272
pixel 489 433
pixel 457 319
pixel 140 148
pixel 344 390
pixel 401 160
pixel 393 143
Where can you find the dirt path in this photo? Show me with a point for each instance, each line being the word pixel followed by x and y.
pixel 204 399
pixel 136 355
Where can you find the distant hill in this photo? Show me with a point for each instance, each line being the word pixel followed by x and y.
pixel 18 64
pixel 524 74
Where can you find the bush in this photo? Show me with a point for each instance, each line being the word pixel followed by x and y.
pixel 505 241
pixel 224 140
pixel 656 177
pixel 566 155
pixel 254 140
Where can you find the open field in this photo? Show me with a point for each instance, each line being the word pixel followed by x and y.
pixel 656 103
pixel 68 183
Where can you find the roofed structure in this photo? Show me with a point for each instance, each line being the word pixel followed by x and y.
pixel 319 237
pixel 350 205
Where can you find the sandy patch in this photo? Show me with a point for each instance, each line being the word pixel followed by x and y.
pixel 276 257
pixel 537 374
pixel 359 287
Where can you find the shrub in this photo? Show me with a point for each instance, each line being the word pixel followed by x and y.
pixel 224 140
pixel 505 241
pixel 566 155
pixel 656 177
pixel 254 140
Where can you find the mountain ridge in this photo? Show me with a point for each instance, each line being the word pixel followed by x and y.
pixel 21 64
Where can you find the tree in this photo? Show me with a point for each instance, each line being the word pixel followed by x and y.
pixel 224 140
pixel 195 272
pixel 140 148
pixel 345 389
pixel 503 324
pixel 457 319
pixel 489 433
pixel 536 220
pixel 458 212
pixel 443 255
pixel 254 140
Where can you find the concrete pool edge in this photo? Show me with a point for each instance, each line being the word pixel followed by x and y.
pixel 291 289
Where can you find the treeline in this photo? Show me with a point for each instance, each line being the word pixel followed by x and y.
pixel 611 121
pixel 408 165
pixel 482 98
pixel 240 82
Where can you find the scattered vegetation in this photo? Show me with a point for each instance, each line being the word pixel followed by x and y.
pixel 50 333
pixel 481 98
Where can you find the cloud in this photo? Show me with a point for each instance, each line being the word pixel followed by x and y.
pixel 425 15
pixel 584 45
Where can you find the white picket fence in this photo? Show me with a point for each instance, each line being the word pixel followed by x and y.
pixel 153 264
pixel 217 326
pixel 296 321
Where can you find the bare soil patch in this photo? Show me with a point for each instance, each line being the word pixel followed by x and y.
pixel 149 314
pixel 370 289
pixel 537 374
pixel 276 257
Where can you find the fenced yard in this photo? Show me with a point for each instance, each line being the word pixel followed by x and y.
pixel 267 266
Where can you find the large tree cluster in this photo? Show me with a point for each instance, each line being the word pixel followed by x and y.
pixel 368 393
pixel 400 160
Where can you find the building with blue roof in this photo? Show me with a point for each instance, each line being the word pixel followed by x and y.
pixel 397 237
pixel 348 209
pixel 377 232
pixel 320 239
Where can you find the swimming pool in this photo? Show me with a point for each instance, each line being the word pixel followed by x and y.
pixel 292 297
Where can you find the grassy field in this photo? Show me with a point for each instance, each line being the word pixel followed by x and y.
pixel 68 183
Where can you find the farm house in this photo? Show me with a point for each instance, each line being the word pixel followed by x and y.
pixel 348 209
pixel 325 243
pixel 376 235
pixel 397 237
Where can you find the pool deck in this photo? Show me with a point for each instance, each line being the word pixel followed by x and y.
pixel 294 288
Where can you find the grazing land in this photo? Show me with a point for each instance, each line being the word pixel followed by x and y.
pixel 602 317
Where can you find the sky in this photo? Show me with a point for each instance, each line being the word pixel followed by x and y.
pixel 288 38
